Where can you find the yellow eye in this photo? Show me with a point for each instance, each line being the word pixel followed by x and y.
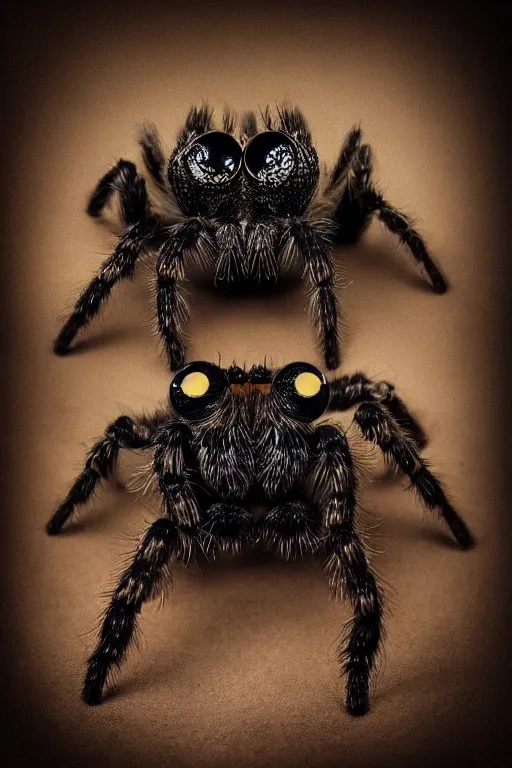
pixel 195 384
pixel 307 384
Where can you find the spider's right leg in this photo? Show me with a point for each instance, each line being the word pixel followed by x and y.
pixel 141 225
pixel 190 236
pixel 148 574
pixel 313 242
pixel 145 578
pixel 350 146
pixel 100 463
pixel 353 389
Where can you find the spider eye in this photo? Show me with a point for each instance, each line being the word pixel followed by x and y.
pixel 301 390
pixel 196 388
pixel 214 158
pixel 270 157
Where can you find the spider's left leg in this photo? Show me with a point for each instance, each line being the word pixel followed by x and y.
pixel 101 462
pixel 181 240
pixel 148 574
pixel 153 155
pixel 313 243
pixel 335 492
pixel 140 225
pixel 379 427
pixel 353 389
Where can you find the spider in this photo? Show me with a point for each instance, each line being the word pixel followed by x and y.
pixel 230 438
pixel 248 209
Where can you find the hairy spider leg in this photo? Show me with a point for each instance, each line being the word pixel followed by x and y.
pixel 359 200
pixel 379 427
pixel 313 242
pixel 353 389
pixel 335 491
pixel 145 578
pixel 136 216
pixel 290 529
pixel 101 462
pixel 148 574
pixel 186 240
pixel 153 154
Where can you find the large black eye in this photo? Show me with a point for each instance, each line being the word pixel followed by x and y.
pixel 301 390
pixel 195 388
pixel 214 158
pixel 270 157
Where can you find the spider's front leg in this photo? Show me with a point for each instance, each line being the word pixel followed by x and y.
pixel 379 426
pixel 358 200
pixel 356 388
pixel 148 574
pixel 335 492
pixel 182 239
pixel 141 228
pixel 313 243
pixel 100 463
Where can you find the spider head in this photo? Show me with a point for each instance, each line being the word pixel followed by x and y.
pixel 250 427
pixel 202 392
pixel 275 174
pixel 205 168
pixel 281 167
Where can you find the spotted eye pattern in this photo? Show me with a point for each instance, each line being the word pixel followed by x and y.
pixel 270 157
pixel 301 391
pixel 196 388
pixel 214 158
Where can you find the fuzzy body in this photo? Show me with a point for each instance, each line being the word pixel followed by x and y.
pixel 231 436
pixel 246 208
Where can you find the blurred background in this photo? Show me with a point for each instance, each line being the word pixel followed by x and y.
pixel 239 668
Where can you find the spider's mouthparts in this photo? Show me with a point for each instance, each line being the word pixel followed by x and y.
pixel 248 389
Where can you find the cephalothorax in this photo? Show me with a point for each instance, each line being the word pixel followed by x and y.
pixel 245 208
pixel 231 436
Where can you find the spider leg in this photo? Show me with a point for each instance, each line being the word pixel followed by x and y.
pixel 379 427
pixel 400 225
pixel 263 252
pixel 356 388
pixel 226 527
pixel 124 178
pixel 136 215
pixel 313 243
pixel 352 213
pixel 290 529
pixel 172 307
pixel 100 463
pixel 350 146
pixel 153 154
pixel 145 577
pixel 232 261
pixel 358 200
pixel 148 574
pixel 335 492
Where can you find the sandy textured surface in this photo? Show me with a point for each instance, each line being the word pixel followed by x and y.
pixel 239 667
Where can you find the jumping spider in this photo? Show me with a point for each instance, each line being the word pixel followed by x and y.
pixel 247 208
pixel 231 436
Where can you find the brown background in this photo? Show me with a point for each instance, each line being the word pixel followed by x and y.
pixel 239 669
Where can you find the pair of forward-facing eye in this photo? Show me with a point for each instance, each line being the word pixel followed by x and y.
pixel 299 390
pixel 217 157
